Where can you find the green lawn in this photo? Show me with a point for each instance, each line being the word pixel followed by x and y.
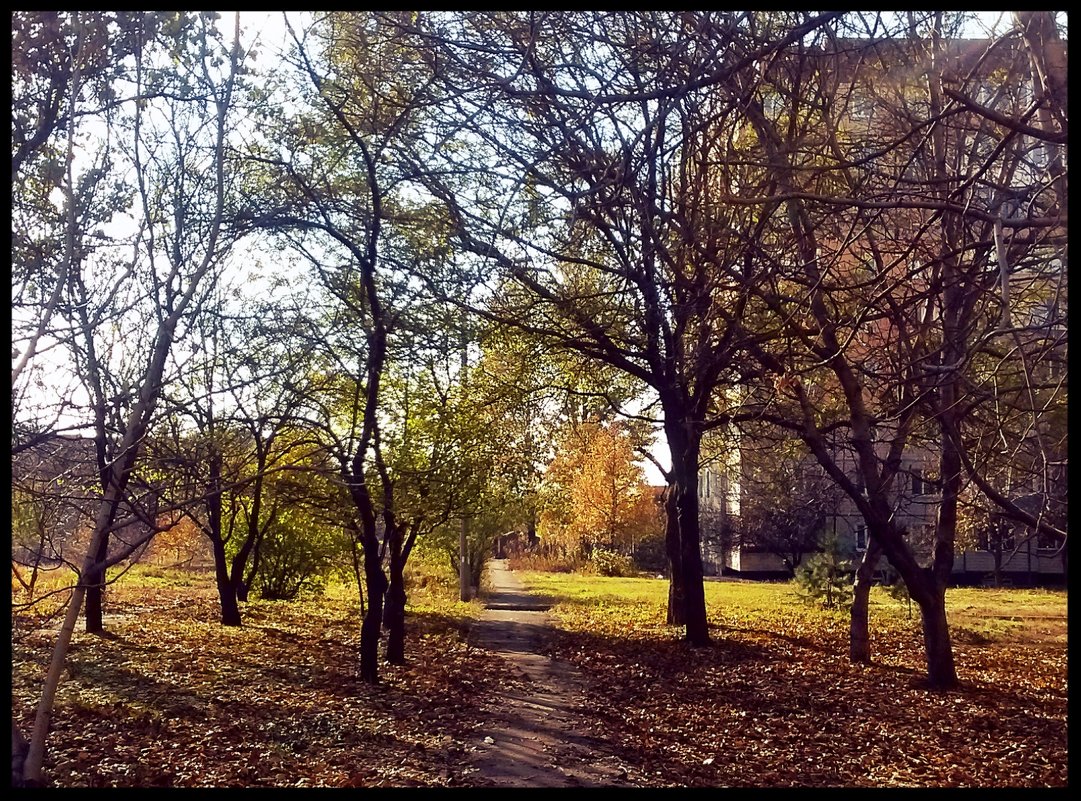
pixel 977 614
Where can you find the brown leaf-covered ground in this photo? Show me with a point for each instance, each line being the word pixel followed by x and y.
pixel 172 698
pixel 776 703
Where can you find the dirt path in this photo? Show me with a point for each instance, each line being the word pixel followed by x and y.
pixel 536 739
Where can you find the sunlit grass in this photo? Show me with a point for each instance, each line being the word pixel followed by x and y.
pixel 976 614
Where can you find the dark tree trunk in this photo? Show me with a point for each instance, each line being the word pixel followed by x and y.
pixel 95 581
pixel 531 528
pixel 930 595
pixel 859 638
pixel 394 613
pixel 684 446
pixel 95 589
pixel 373 618
pixel 694 591
pixel 941 672
pixel 230 609
pixel 676 614
pixel 394 618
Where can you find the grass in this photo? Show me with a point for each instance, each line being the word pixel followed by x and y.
pixel 775 702
pixel 172 698
pixel 1003 616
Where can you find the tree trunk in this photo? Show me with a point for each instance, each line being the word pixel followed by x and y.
pixel 394 617
pixel 941 672
pixel 676 615
pixel 930 596
pixel 95 589
pixel 394 613
pixel 694 590
pixel 373 619
pixel 859 638
pixel 230 609
pixel 19 749
pixel 684 449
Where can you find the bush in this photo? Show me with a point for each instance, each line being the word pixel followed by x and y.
pixel 295 558
pixel 611 563
pixel 545 561
pixel 650 554
pixel 826 577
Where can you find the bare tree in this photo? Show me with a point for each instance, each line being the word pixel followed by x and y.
pixel 579 156
pixel 176 275
pixel 893 198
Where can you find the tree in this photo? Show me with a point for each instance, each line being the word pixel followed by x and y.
pixel 785 499
pixel 924 255
pixel 175 278
pixel 229 429
pixel 826 575
pixel 584 178
pixel 361 102
pixel 64 70
pixel 598 498
pixel 51 486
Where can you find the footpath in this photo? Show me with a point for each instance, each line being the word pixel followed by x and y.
pixel 536 738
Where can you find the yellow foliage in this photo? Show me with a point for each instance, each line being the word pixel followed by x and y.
pixel 596 495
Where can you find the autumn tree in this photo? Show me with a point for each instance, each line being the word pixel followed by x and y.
pixel 577 156
pixel 891 271
pixel 597 495
pixel 229 428
pixel 355 73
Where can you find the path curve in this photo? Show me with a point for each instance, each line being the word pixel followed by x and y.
pixel 535 738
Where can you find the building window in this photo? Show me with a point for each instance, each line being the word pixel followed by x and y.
pixel 861 104
pixel 1045 542
pixel 919 484
pixel 861 537
pixel 998 537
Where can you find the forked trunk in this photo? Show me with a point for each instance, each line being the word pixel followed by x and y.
pixel 930 596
